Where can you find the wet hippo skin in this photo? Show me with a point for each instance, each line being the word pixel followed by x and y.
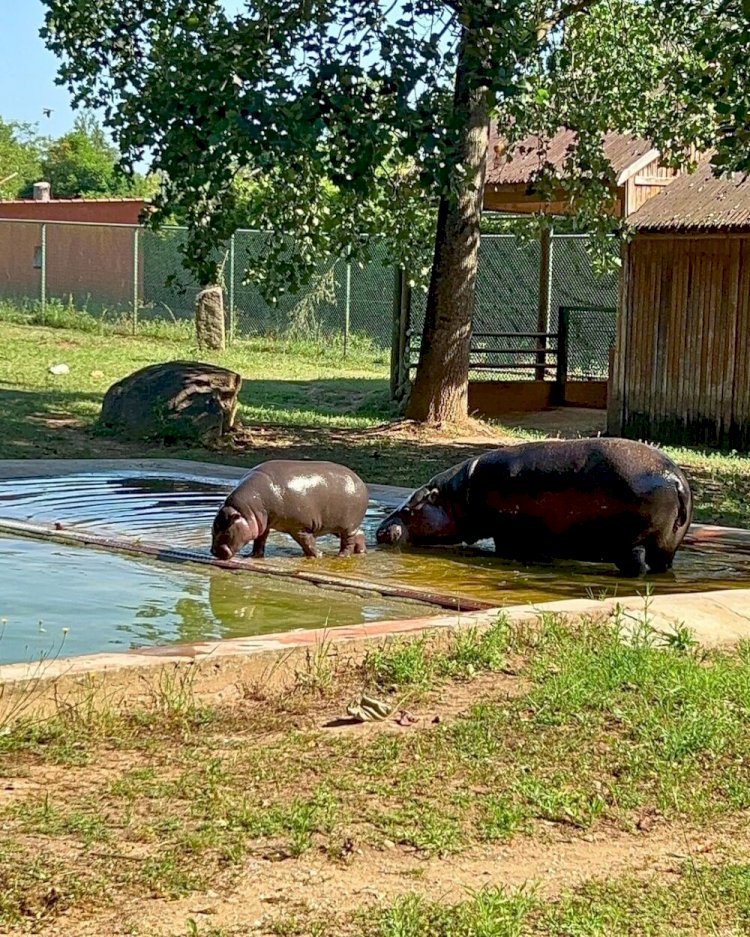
pixel 299 498
pixel 601 500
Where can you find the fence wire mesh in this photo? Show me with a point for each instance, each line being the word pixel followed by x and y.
pixel 507 301
pixel 591 334
pixel 136 276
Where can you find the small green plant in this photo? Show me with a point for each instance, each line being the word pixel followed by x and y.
pixel 317 674
pixel 499 818
pixel 473 650
pixel 680 639
pixel 165 876
pixel 173 697
pixel 400 663
pixel 431 830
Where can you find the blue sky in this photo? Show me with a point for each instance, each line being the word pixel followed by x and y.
pixel 27 69
pixel 27 75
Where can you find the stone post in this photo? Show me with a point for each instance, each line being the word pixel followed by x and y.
pixel 209 318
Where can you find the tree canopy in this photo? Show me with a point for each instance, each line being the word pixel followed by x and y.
pixel 83 163
pixel 80 163
pixel 387 101
pixel 19 158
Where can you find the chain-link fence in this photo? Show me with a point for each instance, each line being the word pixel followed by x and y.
pixel 589 334
pixel 136 276
pixel 507 309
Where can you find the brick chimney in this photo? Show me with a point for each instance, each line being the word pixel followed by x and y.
pixel 42 192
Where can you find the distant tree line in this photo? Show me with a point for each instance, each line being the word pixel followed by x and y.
pixel 80 164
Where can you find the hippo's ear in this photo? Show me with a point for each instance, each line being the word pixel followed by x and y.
pixel 432 495
pixel 227 516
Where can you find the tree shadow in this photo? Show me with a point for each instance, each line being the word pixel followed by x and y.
pixel 46 424
pixel 327 419
pixel 325 398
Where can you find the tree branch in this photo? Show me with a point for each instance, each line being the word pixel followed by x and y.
pixel 565 11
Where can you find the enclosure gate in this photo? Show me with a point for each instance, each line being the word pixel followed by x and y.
pixel 578 351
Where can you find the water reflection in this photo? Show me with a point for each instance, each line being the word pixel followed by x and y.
pixel 94 601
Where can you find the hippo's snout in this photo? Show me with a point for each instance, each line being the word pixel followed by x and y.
pixel 391 533
pixel 221 551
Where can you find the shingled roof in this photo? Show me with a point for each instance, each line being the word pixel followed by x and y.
pixel 626 153
pixel 700 201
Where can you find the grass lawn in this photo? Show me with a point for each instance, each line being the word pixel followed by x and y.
pixel 548 780
pixel 297 399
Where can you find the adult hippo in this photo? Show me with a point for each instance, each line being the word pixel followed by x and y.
pixel 603 500
pixel 302 499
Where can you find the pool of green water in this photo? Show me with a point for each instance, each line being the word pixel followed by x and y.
pixel 115 601
pixel 63 601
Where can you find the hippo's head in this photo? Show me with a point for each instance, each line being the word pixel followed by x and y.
pixel 230 532
pixel 421 519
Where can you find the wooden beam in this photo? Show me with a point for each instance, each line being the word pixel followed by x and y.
pixel 654 180
pixel 634 168
pixel 516 199
pixel 545 292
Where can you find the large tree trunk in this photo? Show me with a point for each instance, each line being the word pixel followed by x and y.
pixel 441 386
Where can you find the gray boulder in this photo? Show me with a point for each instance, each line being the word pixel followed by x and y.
pixel 177 400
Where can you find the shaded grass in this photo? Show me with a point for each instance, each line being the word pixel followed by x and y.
pixel 598 734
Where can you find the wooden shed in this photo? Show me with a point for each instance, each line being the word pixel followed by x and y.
pixel 681 364
pixel 509 181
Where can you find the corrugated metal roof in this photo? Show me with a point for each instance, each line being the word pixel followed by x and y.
pixel 527 157
pixel 700 201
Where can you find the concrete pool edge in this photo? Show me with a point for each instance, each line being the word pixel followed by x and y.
pixel 220 671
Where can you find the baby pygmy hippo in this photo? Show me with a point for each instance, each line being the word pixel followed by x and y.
pixel 302 499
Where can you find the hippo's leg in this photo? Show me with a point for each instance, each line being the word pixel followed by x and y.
pixel 352 542
pixel 633 563
pixel 307 541
pixel 259 545
pixel 523 552
pixel 659 559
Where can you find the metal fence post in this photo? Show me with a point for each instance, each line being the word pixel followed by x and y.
pixel 563 331
pixel 347 307
pixel 43 273
pixel 231 289
pixel 135 279
pixel 398 281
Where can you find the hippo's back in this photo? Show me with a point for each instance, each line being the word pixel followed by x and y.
pixel 582 497
pixel 314 495
pixel 612 465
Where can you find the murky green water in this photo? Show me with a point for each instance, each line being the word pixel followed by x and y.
pixel 61 601
pixel 109 601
